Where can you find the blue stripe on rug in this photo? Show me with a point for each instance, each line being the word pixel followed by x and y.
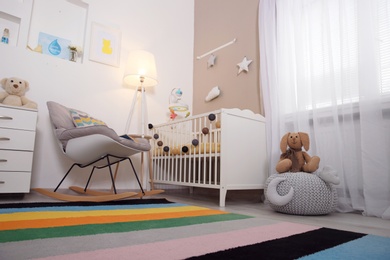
pixel 367 247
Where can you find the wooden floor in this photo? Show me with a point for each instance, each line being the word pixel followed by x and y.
pixel 249 203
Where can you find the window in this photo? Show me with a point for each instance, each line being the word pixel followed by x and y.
pixel 333 56
pixel 384 45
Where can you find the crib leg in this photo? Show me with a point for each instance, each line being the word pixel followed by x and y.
pixel 222 196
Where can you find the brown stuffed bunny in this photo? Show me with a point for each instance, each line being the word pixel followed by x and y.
pixel 294 159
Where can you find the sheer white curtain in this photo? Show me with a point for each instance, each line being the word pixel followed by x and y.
pixel 325 70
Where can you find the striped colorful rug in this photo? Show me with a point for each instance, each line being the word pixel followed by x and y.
pixel 28 221
pixel 157 228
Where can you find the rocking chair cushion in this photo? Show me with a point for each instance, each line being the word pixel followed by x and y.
pixel 65 135
pixel 65 129
pixel 60 116
pixel 82 119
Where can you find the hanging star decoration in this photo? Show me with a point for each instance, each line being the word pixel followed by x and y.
pixel 211 61
pixel 244 65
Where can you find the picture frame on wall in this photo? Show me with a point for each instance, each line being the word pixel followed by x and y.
pixel 54 46
pixel 105 44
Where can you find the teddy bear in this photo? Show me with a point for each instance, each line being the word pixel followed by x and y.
pixel 294 159
pixel 15 89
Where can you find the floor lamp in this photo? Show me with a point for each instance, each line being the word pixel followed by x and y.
pixel 140 72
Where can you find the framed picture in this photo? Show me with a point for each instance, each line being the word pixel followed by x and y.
pixel 54 46
pixel 105 45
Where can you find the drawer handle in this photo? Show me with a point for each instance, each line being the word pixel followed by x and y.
pixel 2 182
pixel 4 139
pixel 3 160
pixel 6 117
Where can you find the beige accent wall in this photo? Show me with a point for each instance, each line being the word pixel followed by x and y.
pixel 218 22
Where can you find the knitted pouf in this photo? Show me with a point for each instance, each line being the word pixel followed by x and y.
pixel 312 196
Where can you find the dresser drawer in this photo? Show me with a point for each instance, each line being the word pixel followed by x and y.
pixel 12 139
pixel 15 182
pixel 18 118
pixel 15 161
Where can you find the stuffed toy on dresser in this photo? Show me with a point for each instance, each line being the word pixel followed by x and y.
pixel 14 95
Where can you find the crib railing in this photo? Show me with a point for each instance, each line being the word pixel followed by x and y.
pixel 187 151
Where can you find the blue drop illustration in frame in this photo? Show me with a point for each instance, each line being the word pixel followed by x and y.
pixel 54 48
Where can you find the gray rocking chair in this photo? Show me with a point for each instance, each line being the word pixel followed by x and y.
pixel 90 143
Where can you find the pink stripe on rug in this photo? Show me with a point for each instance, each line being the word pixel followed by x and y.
pixel 194 246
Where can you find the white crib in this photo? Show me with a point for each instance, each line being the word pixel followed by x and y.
pixel 224 149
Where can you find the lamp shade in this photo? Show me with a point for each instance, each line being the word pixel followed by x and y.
pixel 140 65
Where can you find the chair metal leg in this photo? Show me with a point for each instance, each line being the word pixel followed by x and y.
pixel 136 176
pixel 112 176
pixel 89 178
pixel 115 174
pixel 59 184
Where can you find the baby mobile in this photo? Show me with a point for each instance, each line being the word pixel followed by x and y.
pixel 175 104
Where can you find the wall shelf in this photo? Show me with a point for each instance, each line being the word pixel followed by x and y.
pixel 59 23
pixel 16 15
pixel 28 19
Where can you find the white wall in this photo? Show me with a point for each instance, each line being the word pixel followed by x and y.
pixel 164 28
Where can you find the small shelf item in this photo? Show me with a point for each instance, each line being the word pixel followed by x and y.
pixel 5 37
pixel 9 28
pixel 75 52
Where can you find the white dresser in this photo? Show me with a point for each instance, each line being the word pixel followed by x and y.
pixel 17 139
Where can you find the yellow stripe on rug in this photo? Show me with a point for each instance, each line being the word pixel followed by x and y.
pixel 75 214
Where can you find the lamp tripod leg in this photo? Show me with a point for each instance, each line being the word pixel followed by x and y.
pixel 131 111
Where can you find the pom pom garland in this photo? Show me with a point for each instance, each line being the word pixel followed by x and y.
pixel 212 117
pixel 195 142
